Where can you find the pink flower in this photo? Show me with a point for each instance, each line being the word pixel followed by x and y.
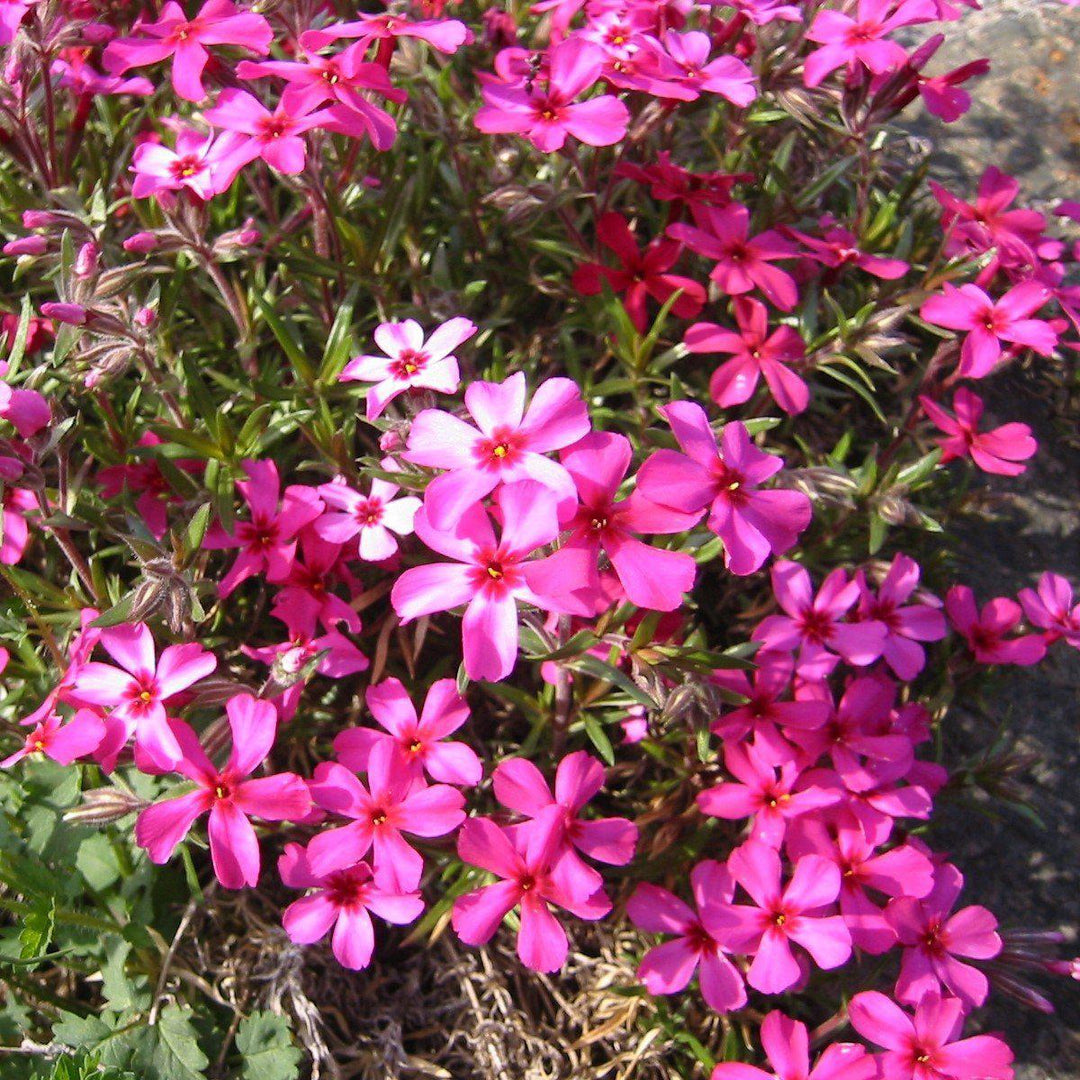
pixel 546 116
pixel 531 862
pixel 905 624
pixel 200 163
pixel 838 247
pixel 16 503
pixel 1050 608
pixel 227 795
pixel 341 899
pixel 771 795
pixel 305 598
pixel 756 353
pixel 988 222
pixel 683 60
pixel 276 137
pixel 653 578
pixel 743 262
pixel 510 444
pixel 752 523
pixel 488 575
pixel 26 410
pixel 410 361
pixel 924 1046
pixel 268 541
pixel 137 694
pixel 780 917
pixel 641 273
pixel 81 735
pixel 375 517
pixel 787 1045
pixel 985 630
pixel 933 939
pixel 902 871
pixel 446 35
pixel 812 623
pixel 388 807
pixel 419 742
pixel 999 451
pixel 219 22
pixel 519 785
pixel 862 39
pixel 989 323
pixel 667 968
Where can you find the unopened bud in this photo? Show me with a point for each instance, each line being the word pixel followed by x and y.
pixel 72 314
pixel 104 806
pixel 26 245
pixel 86 262
pixel 141 243
pixel 145 316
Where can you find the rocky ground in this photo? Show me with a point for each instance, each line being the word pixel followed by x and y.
pixel 1026 120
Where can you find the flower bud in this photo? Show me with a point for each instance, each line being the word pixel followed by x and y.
pixel 26 245
pixel 72 314
pixel 141 243
pixel 104 806
pixel 86 262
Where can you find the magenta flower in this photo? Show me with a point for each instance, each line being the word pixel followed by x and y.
pixel 781 917
pixel 641 273
pixel 64 743
pixel 276 137
pixel 924 1046
pixel 137 694
pixel 342 900
pixel 531 862
pixel 838 247
pixel 988 222
pixel 1000 450
pixel 305 598
pixel 219 22
pixel 419 742
pixel 16 502
pixel 26 410
pixel 547 116
pixel 508 443
pixel 756 354
pixel 764 711
pixel 786 1043
pixel 862 39
pixel 1050 608
pixel 813 623
pixel 390 806
pixel 752 523
pixel 985 630
pixel 488 575
pixel 446 35
pixel 226 793
pixel 652 578
pixel 268 541
pixel 519 785
pixel 902 871
pixel 743 263
pixel 410 363
pixel 667 968
pixel 772 795
pixel 374 517
pixel 933 938
pixel 988 323
pixel 200 163
pixel 906 625
pixel 683 61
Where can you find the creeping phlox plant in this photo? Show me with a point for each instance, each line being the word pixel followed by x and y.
pixel 487 470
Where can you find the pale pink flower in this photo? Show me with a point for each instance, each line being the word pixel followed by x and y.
pixel 227 794
pixel 508 443
pixel 375 517
pixel 411 362
pixel 199 163
pixel 137 690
